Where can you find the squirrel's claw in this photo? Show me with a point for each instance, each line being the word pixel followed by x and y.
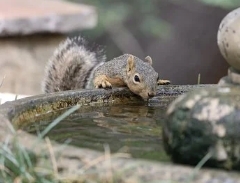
pixel 102 82
pixel 163 82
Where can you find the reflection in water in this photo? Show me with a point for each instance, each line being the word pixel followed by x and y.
pixel 135 129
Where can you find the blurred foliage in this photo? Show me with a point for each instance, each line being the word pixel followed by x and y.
pixel 229 4
pixel 144 14
pixel 137 22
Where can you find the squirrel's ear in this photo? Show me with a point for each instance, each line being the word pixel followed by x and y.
pixel 148 59
pixel 130 63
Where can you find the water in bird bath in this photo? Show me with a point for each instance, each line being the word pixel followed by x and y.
pixel 133 128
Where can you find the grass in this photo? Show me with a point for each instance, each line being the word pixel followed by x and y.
pixel 199 166
pixel 2 81
pixel 199 79
pixel 19 165
pixel 1 85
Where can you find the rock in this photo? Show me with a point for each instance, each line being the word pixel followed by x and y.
pixel 24 17
pixel 229 38
pixel 23 60
pixel 205 121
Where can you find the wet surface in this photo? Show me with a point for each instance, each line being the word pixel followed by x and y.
pixel 133 128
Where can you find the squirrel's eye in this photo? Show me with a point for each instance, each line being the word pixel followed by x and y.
pixel 136 78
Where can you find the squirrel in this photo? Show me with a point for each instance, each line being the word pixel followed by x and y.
pixel 76 64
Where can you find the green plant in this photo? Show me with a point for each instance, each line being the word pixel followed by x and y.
pixel 19 165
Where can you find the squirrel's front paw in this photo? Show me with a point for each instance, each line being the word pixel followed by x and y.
pixel 102 82
pixel 163 82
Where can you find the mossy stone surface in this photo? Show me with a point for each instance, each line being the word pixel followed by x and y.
pixel 205 121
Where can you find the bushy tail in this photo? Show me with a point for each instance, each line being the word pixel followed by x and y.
pixel 71 65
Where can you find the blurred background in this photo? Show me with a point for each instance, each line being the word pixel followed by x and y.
pixel 179 35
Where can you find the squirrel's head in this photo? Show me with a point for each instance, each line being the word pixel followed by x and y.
pixel 141 77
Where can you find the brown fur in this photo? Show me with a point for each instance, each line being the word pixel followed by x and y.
pixel 75 66
pixel 71 65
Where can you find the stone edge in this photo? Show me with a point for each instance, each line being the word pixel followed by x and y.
pixel 140 169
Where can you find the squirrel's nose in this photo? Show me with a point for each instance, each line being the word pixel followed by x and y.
pixel 150 95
